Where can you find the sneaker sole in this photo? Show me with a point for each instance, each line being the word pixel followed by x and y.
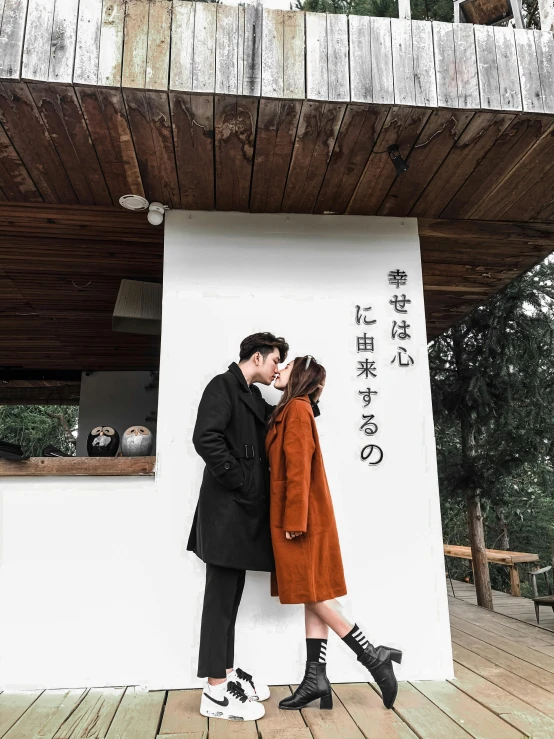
pixel 219 714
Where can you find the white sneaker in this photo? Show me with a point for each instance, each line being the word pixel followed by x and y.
pixel 229 701
pixel 255 690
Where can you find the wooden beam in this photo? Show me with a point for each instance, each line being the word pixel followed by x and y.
pixel 69 466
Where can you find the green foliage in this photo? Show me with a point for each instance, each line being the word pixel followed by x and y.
pixel 35 426
pixel 438 10
pixel 494 371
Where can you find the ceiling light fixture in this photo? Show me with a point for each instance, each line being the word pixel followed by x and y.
pixel 155 210
pixel 399 164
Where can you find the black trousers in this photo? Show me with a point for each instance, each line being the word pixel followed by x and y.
pixel 222 597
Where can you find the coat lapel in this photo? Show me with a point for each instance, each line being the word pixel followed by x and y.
pixel 246 396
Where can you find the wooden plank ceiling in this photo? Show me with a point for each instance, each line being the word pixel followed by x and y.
pixel 195 106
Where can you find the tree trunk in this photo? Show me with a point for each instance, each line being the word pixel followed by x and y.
pixel 481 573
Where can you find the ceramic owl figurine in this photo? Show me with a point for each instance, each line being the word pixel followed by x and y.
pixel 137 441
pixel 103 441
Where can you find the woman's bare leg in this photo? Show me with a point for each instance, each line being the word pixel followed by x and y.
pixel 315 627
pixel 328 612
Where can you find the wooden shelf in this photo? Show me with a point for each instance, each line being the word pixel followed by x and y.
pixel 68 466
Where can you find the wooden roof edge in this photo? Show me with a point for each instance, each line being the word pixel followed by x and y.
pixel 204 48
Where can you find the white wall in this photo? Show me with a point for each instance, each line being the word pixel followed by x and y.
pixel 227 275
pixel 115 399
pixel 96 585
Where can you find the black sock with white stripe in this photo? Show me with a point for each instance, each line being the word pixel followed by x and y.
pixel 356 640
pixel 317 650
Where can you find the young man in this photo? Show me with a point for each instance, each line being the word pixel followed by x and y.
pixel 230 531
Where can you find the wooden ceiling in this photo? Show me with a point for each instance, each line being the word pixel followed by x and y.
pixel 211 107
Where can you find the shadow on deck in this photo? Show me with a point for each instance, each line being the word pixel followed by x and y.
pixel 504 689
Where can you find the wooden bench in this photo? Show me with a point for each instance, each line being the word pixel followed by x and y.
pixel 499 557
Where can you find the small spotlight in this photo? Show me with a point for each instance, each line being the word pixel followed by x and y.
pixel 399 164
pixel 156 213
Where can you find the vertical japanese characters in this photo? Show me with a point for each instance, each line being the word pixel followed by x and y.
pixel 373 453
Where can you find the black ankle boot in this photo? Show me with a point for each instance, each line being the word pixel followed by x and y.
pixel 378 661
pixel 314 686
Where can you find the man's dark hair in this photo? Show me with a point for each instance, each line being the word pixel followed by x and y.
pixel 264 343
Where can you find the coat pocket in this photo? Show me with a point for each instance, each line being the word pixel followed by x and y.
pixel 278 497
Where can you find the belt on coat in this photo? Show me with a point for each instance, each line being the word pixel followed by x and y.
pixel 248 453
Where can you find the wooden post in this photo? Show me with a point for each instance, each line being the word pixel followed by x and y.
pixel 517 12
pixel 458 12
pixel 514 581
pixel 546 12
pixel 404 9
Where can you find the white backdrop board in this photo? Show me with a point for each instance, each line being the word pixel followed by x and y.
pixel 227 275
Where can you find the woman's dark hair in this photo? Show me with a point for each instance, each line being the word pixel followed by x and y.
pixel 303 380
pixel 264 343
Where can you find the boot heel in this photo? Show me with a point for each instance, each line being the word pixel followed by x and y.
pixel 326 702
pixel 396 655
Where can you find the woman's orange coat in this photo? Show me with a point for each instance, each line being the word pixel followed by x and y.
pixel 308 567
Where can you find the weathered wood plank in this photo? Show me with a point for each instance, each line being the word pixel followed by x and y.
pixel 110 60
pixel 150 124
pixel 508 77
pixel 64 122
pixel 529 693
pixel 524 175
pixel 466 712
pixel 509 707
pixel 138 715
pixel 544 44
pixel 235 127
pixel 424 64
pixel 381 61
pixel 277 124
pixel 332 724
pixel 272 54
pixel 489 86
pixel 445 56
pixel 182 46
pixel 36 47
pixel 437 138
pixel 105 114
pixel 64 37
pixel 520 136
pixel 135 44
pixel 294 60
pixel 317 62
pixel 181 713
pixel 468 151
pixel 467 77
pixel 13 706
pixel 361 87
pixel 159 41
pixel 11 38
pixel 337 58
pixel 276 720
pixel 93 715
pixel 402 60
pixel 317 131
pixel 203 66
pixel 24 126
pixel 358 133
pixel 193 134
pixel 402 127
pixel 425 718
pixel 46 714
pixel 69 466
pixel 88 42
pixel 15 182
pixel 528 71
pixel 366 708
pixel 251 68
pixel 226 50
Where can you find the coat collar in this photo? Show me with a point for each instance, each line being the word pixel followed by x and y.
pixel 247 396
pixel 272 434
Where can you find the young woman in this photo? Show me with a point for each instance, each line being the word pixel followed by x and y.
pixel 305 541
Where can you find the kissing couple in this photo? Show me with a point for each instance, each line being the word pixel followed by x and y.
pixel 265 505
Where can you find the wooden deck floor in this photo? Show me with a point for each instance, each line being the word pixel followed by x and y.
pixel 504 689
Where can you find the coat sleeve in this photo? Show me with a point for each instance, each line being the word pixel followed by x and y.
pixel 214 415
pixel 299 447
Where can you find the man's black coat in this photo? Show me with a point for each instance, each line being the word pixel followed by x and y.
pixel 231 522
